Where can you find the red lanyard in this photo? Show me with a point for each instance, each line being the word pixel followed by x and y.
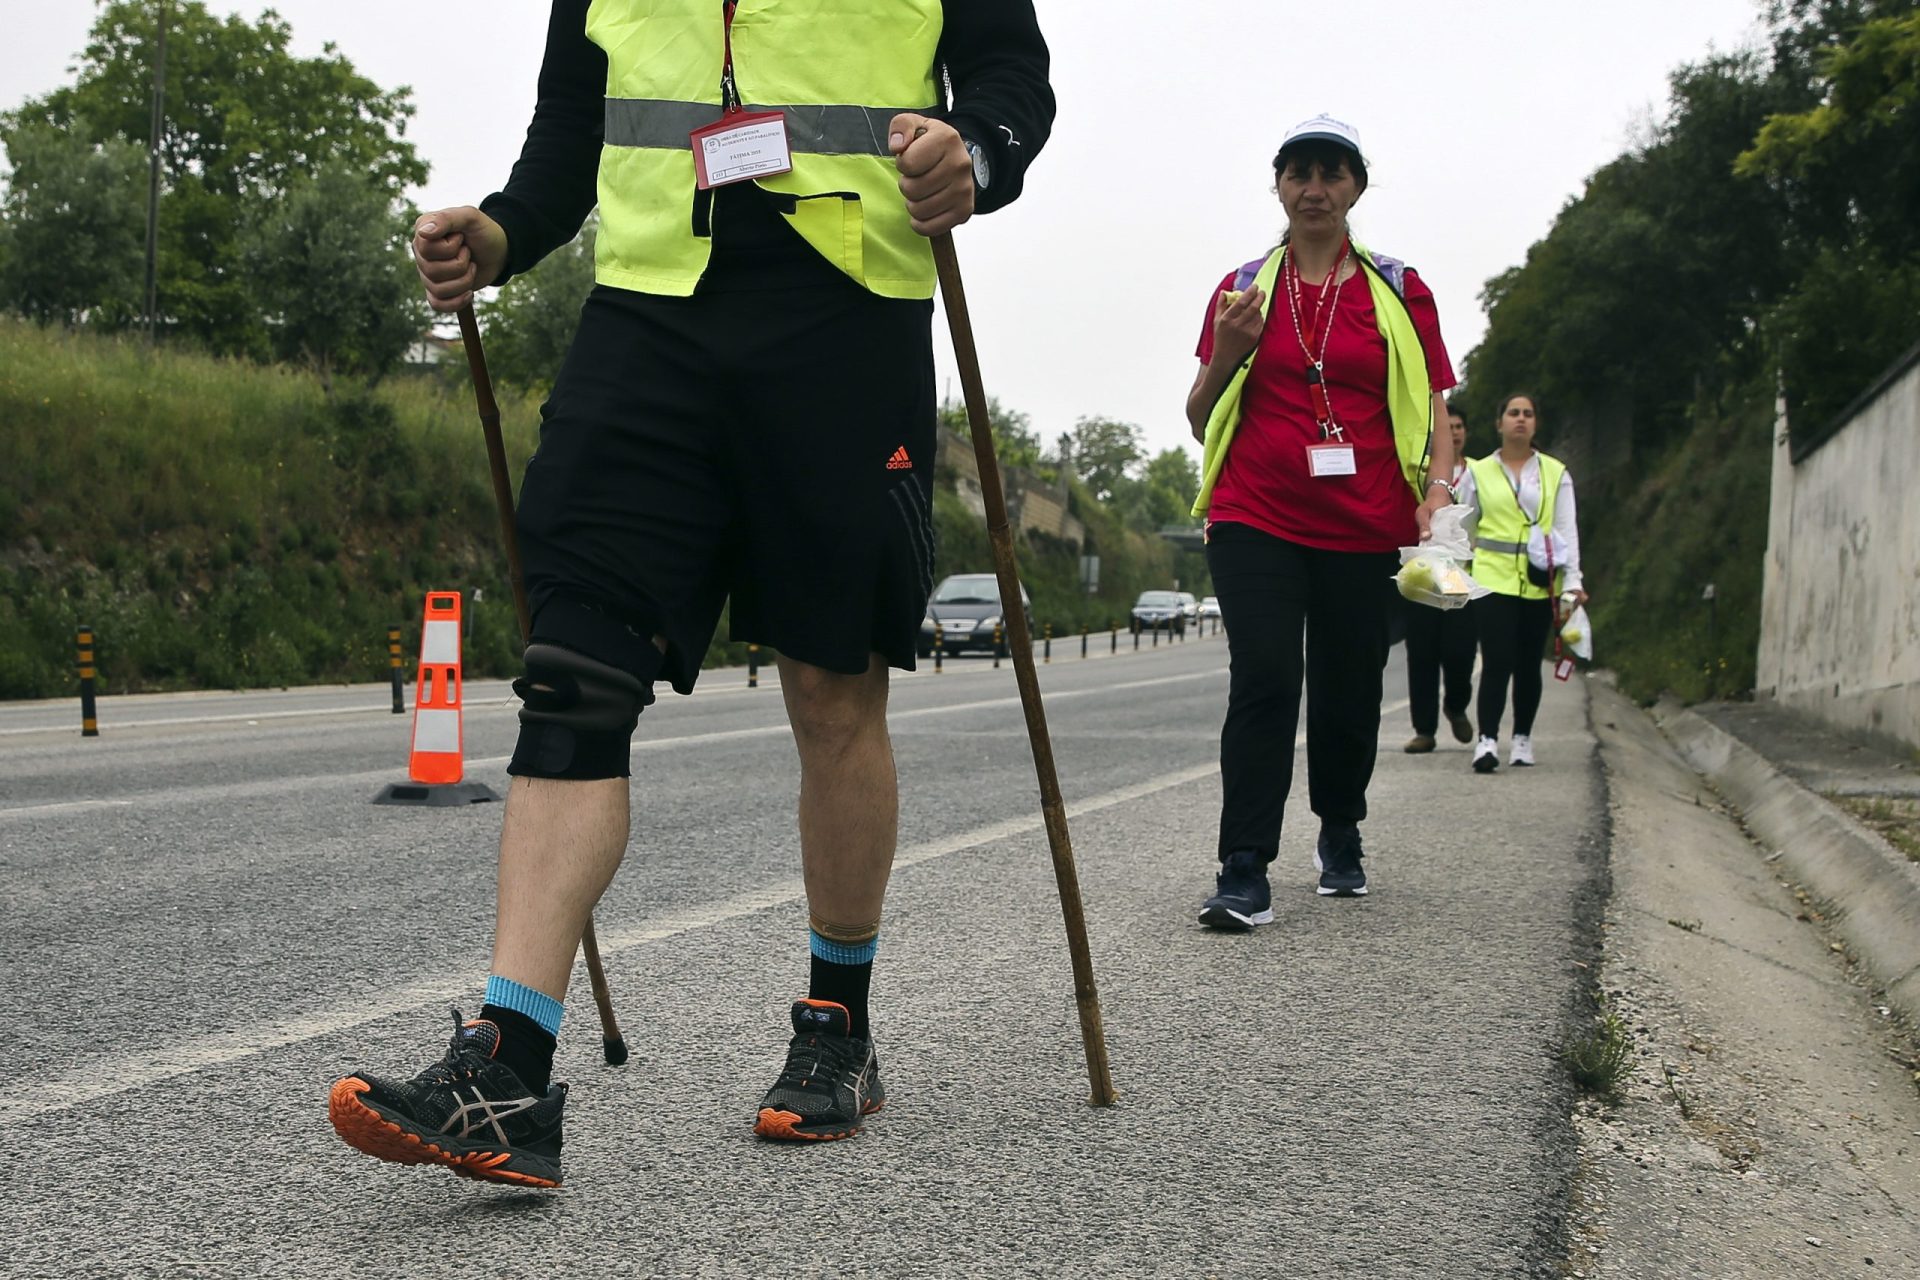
pixel 1306 329
pixel 729 94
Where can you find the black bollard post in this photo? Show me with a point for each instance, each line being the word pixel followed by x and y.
pixel 999 642
pixel 1156 636
pixel 939 648
pixel 1083 639
pixel 753 666
pixel 89 719
pixel 1047 652
pixel 394 670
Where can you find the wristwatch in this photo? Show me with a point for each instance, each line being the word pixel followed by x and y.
pixel 982 170
pixel 1452 496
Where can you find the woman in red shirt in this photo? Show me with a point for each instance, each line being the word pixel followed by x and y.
pixel 1314 496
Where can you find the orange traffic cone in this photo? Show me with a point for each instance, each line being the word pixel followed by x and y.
pixel 435 763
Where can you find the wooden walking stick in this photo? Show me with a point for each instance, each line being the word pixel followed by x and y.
pixel 611 1042
pixel 1052 809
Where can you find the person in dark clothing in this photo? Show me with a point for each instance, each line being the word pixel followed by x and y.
pixel 746 414
pixel 1440 642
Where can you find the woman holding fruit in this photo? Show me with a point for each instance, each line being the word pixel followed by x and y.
pixel 1321 373
pixel 1526 551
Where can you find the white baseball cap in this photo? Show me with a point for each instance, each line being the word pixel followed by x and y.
pixel 1324 128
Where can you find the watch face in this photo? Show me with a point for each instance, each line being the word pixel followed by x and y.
pixel 981 171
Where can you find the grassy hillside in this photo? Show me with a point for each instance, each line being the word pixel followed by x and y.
pixel 1698 516
pixel 225 525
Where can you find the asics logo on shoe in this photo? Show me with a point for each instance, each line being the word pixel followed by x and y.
pixel 900 461
pixel 484 1114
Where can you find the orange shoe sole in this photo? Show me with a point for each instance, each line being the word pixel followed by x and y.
pixel 366 1130
pixel 784 1126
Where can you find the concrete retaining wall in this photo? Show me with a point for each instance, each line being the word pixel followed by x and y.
pixel 1840 612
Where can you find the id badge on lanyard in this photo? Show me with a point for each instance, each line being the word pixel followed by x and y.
pixel 741 145
pixel 1333 455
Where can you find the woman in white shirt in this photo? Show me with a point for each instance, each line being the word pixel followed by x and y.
pixel 1523 497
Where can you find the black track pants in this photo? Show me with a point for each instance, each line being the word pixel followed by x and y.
pixel 1276 598
pixel 1513 639
pixel 1440 642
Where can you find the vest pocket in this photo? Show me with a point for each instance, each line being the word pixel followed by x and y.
pixel 832 222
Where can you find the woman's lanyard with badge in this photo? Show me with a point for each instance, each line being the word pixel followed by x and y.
pixel 1333 455
pixel 741 144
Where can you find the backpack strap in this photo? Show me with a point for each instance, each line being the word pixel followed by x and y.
pixel 1395 273
pixel 1244 276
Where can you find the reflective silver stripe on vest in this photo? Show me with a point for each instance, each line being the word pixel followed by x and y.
pixel 1490 544
pixel 664 124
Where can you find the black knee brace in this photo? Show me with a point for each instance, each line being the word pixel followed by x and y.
pixel 576 716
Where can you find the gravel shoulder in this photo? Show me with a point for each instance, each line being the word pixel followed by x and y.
pixel 1770 1124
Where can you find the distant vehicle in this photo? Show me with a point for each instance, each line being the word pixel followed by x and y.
pixel 1189 607
pixel 1155 610
pixel 1210 607
pixel 966 608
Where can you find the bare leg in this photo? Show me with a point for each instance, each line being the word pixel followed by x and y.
pixel 849 796
pixel 559 847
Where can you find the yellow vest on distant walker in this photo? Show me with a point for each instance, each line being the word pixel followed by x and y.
pixel 1500 542
pixel 839 70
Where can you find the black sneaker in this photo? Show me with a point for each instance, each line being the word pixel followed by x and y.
pixel 831 1081
pixel 1336 856
pixel 1241 897
pixel 466 1112
pixel 1461 726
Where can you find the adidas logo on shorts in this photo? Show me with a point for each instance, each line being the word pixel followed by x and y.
pixel 900 461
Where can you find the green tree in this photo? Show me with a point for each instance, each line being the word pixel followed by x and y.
pixel 530 325
pixel 1163 496
pixel 329 268
pixel 1015 443
pixel 1101 452
pixel 245 118
pixel 70 227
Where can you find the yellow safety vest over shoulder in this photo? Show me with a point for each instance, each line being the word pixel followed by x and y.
pixel 1409 385
pixel 1500 542
pixel 837 70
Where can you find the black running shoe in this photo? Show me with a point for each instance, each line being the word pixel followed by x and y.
pixel 466 1112
pixel 830 1084
pixel 1336 857
pixel 1241 898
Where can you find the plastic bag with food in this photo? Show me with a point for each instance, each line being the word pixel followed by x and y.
pixel 1434 577
pixel 1577 634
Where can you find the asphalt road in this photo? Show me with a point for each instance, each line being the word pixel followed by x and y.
pixel 204 920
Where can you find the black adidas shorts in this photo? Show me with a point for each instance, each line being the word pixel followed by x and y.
pixel 773 446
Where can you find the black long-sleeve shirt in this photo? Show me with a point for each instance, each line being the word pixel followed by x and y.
pixel 996 63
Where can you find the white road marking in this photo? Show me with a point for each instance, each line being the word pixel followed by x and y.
pixel 66 806
pixel 126 1073
pixel 373 777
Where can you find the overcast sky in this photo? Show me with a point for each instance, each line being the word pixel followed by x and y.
pixel 1480 119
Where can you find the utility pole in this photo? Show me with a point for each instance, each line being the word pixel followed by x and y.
pixel 153 166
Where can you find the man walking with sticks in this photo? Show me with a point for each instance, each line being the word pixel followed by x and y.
pixel 747 413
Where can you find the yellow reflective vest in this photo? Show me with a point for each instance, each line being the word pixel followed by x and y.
pixel 838 70
pixel 1500 542
pixel 1409 388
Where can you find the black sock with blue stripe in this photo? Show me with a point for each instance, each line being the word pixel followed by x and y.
pixel 842 973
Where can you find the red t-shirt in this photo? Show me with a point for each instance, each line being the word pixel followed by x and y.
pixel 1265 482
